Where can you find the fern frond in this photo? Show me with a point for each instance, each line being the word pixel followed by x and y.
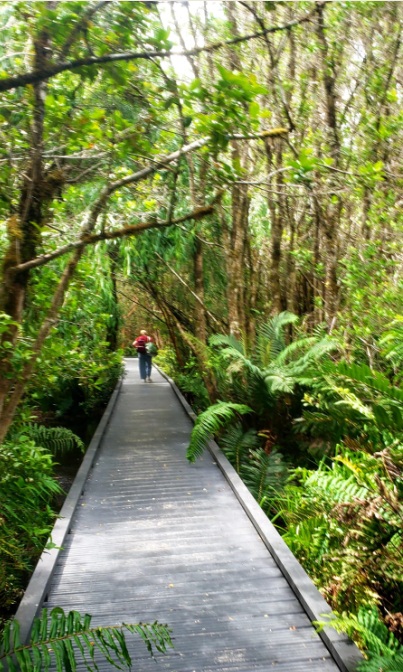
pixel 59 639
pixel 241 363
pixel 392 341
pixel 270 340
pixel 376 663
pixel 365 376
pixel 278 380
pixel 218 340
pixel 215 418
pixel 371 633
pixel 264 473
pixel 290 351
pixel 236 444
pixel 59 440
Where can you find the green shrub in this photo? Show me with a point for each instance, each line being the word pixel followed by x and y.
pixel 26 518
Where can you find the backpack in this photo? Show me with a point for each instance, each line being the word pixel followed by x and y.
pixel 151 349
pixel 141 344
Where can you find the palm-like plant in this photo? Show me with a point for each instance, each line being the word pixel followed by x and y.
pixel 58 440
pixel 216 417
pixel 257 379
pixel 236 445
pixel 392 344
pixel 272 367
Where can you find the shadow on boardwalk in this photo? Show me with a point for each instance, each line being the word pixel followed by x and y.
pixel 155 538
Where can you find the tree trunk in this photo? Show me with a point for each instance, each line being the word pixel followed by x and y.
pixel 112 335
pixel 277 211
pixel 200 314
pixel 23 236
pixel 236 259
pixel 331 220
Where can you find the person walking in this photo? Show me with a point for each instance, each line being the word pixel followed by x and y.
pixel 140 343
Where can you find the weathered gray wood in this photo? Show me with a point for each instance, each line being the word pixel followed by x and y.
pixel 154 537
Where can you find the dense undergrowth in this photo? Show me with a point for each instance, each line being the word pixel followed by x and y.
pixel 318 439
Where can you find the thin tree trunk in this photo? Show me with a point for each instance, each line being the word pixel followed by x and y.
pixel 331 220
pixel 291 270
pixel 112 335
pixel 277 214
pixel 236 259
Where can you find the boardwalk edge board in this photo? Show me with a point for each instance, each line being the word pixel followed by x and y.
pixel 39 584
pixel 342 649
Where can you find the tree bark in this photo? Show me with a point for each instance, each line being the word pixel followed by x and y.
pixel 331 220
pixel 236 259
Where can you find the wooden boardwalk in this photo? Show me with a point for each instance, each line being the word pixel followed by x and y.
pixel 155 538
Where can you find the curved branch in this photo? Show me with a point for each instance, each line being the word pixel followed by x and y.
pixel 91 239
pixel 8 83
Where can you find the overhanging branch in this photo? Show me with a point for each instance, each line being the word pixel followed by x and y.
pixel 91 239
pixel 35 76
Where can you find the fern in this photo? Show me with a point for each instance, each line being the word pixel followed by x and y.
pixel 263 473
pixel 218 340
pixel 273 368
pixel 58 639
pixel 270 339
pixel 392 342
pixel 210 422
pixel 375 663
pixel 383 650
pixel 59 440
pixel 365 391
pixel 237 444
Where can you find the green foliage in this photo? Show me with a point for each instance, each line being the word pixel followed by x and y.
pixel 231 104
pixel 356 401
pixel 191 383
pixel 262 469
pixel 344 522
pixel 391 343
pixel 59 440
pixel 26 518
pixel 188 378
pixel 372 289
pixel 80 378
pixel 236 445
pixel 270 375
pixel 60 641
pixel 264 473
pixel 384 652
pixel 271 368
pixel 210 422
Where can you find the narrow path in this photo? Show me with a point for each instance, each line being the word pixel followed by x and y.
pixel 155 538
